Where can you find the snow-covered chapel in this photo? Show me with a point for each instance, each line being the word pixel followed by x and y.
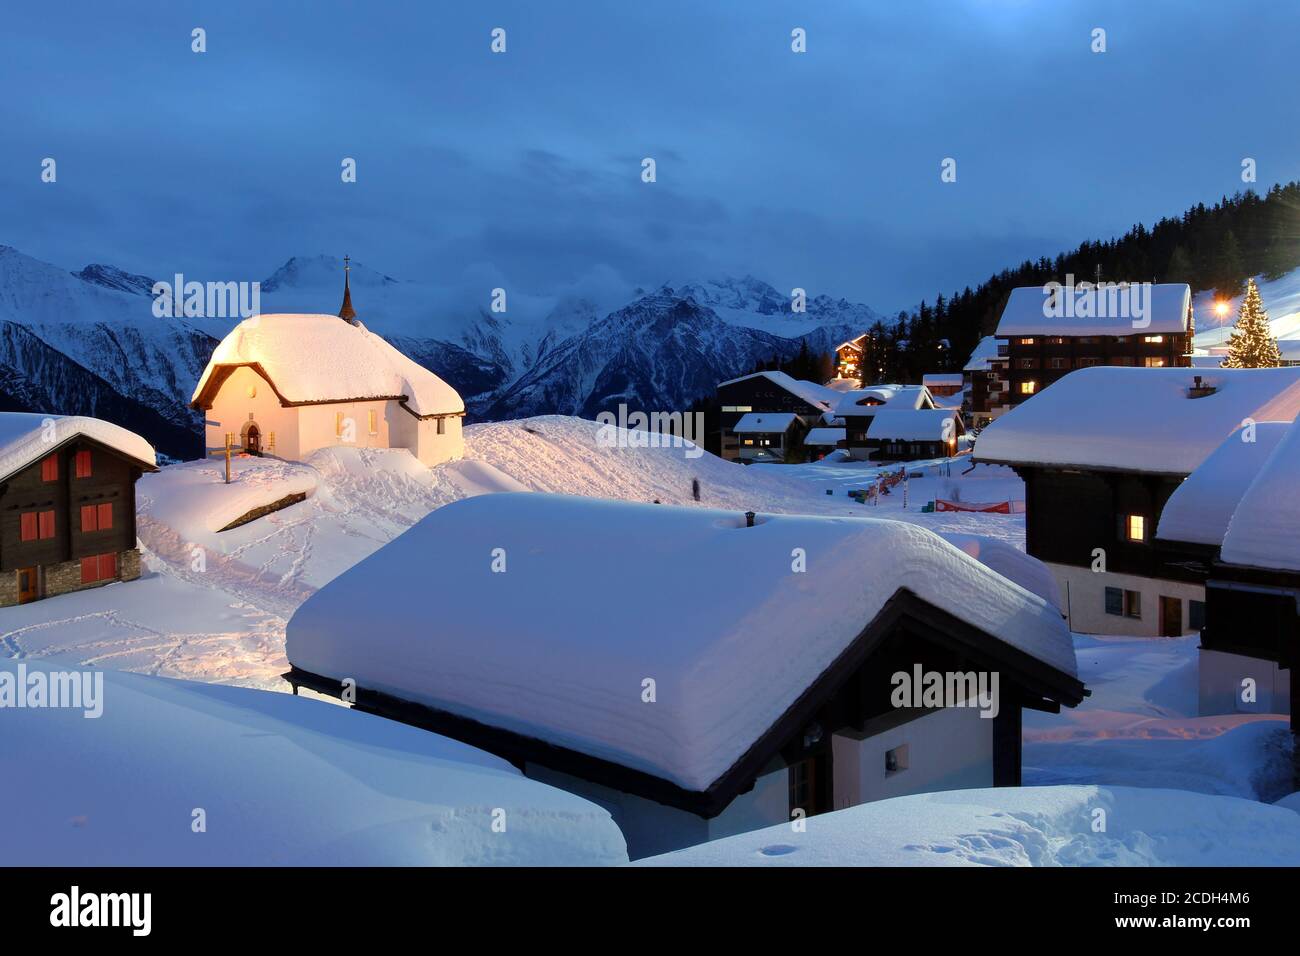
pixel 286 385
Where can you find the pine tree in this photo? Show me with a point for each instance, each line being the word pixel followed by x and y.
pixel 1252 344
pixel 1228 269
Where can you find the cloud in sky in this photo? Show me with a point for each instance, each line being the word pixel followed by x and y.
pixel 818 169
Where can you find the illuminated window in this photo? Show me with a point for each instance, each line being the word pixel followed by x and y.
pixel 1028 341
pixel 1153 339
pixel 1027 388
pixel 338 424
pixel 1154 362
pixel 737 408
pixel 1135 528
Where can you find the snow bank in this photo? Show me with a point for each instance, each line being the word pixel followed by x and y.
pixel 1201 507
pixel 1265 528
pixel 312 358
pixel 598 595
pixel 24 438
pixel 281 780
pixel 1137 419
pixel 1169 305
pixel 194 495
pixel 1030 826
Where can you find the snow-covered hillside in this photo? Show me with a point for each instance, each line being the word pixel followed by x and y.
pixel 1281 297
pixel 1030 826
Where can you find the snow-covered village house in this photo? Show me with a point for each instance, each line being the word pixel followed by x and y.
pixel 985 375
pixel 1049 332
pixel 286 385
pixel 768 436
pixel 945 388
pixel 1101 452
pixel 588 646
pixel 850 357
pixel 887 423
pixel 1236 518
pixel 769 392
pixel 67 504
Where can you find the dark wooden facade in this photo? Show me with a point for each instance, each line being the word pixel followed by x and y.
pixel 1036 361
pixel 73 508
pixel 758 393
pixel 853 693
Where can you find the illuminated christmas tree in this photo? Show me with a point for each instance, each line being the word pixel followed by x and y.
pixel 1252 344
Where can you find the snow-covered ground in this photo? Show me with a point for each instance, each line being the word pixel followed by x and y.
pixel 1281 298
pixel 173 773
pixel 1030 826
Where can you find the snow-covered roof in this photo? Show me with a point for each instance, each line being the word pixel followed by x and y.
pixel 842 384
pixel 28 436
pixel 984 352
pixel 1109 311
pixel 284 781
pixel 818 396
pixel 1137 419
pixel 941 379
pixel 753 422
pixel 1200 508
pixel 913 424
pixel 321 358
pixel 1265 528
pixel 1289 349
pixel 599 596
pixel 866 401
pixel 824 436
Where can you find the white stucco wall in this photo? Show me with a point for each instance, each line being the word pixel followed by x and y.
pixel 1084 593
pixel 1220 676
pixel 234 407
pixel 950 749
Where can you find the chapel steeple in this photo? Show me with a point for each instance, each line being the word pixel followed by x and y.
pixel 346 312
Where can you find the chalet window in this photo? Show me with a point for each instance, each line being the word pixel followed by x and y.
pixel 1195 615
pixel 1135 527
pixel 81 468
pixel 1089 340
pixel 45 524
pixel 1153 362
pixel 1153 339
pixel 1028 363
pixel 737 408
pixel 896 760
pixel 98 567
pixel 1060 363
pixel 1115 601
pixel 27 527
pixel 442 426
pixel 89 518
pixel 1056 340
pixel 1133 604
pixel 1028 388
pixel 1025 341
pixel 374 422
pixel 50 468
pixel 1089 362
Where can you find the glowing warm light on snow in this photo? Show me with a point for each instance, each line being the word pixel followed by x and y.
pixel 1221 308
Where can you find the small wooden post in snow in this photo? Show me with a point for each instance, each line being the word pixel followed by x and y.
pixel 227 457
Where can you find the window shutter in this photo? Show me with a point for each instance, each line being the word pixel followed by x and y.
pixel 50 468
pixel 107 566
pixel 105 516
pixel 83 464
pixel 88 522
pixel 47 524
pixel 89 570
pixel 28 532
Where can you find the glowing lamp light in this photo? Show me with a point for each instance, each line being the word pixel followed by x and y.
pixel 1221 308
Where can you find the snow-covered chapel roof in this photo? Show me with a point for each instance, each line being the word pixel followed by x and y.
pixel 544 616
pixel 1138 419
pixel 322 358
pixel 28 436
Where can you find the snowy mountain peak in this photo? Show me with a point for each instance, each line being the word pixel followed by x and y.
pixel 111 277
pixel 322 270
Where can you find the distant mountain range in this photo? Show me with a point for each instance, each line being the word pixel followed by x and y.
pixel 88 342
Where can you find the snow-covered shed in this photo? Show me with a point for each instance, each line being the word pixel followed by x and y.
pixel 1101 453
pixel 288 384
pixel 909 434
pixel 696 674
pixel 67 504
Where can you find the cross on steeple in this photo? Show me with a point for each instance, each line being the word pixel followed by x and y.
pixel 347 313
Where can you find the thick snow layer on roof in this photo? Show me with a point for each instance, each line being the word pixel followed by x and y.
pixel 1137 419
pixel 315 358
pixel 818 396
pixel 824 436
pixel 282 780
pixel 764 422
pixel 1265 528
pixel 1110 311
pixel 986 350
pixel 866 401
pixel 1022 826
pixel 27 436
pixel 842 384
pixel 599 596
pixel 913 424
pixel 1010 562
pixel 1201 507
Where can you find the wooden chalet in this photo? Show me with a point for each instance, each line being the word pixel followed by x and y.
pixel 67 504
pixel 771 392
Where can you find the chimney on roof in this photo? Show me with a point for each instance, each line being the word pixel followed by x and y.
pixel 749 519
pixel 1199 389
pixel 346 312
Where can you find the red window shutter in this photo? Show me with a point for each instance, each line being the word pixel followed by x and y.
pixel 28 532
pixel 89 570
pixel 88 522
pixel 106 516
pixel 47 524
pixel 83 464
pixel 50 468
pixel 107 566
